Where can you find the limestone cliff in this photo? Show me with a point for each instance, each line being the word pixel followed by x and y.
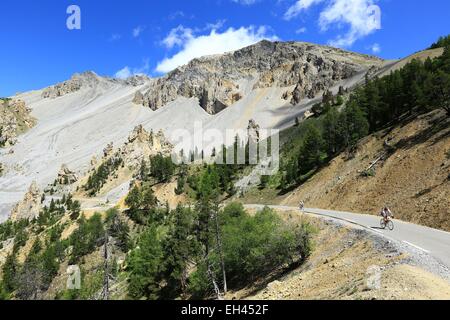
pixel 140 146
pixel 143 144
pixel 221 80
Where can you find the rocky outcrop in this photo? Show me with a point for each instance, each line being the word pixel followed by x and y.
pixel 30 207
pixel 138 98
pixel 84 80
pixel 93 162
pixel 66 176
pixel 220 81
pixel 15 119
pixel 108 150
pixel 137 80
pixel 253 131
pixel 142 145
pixel 297 95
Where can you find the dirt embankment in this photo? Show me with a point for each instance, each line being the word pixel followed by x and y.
pixel 350 264
pixel 412 175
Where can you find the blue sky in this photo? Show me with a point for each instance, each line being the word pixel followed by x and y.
pixel 120 38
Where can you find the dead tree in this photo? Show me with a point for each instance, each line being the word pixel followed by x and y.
pixel 220 251
pixel 105 290
pixel 212 278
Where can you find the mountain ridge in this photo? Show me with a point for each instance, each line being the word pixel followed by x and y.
pixel 219 81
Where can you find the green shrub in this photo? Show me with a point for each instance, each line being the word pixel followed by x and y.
pixel 162 168
pixel 142 204
pixel 89 235
pixel 253 246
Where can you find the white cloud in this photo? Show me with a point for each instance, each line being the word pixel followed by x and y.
pixel 137 31
pixel 127 72
pixel 218 25
pixel 362 16
pixel 193 46
pixel 375 48
pixel 301 30
pixel 298 7
pixel 180 35
pixel 177 37
pixel 123 73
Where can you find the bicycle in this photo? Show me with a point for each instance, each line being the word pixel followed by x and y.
pixel 387 224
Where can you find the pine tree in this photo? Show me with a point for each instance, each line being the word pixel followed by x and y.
pixel 417 96
pixel 30 277
pixel 134 199
pixel 311 150
pixel 149 201
pixel 145 264
pixel 180 185
pixel 52 206
pixel 339 100
pixel 441 85
pixel 331 133
pixel 179 249
pixel 10 270
pixel 357 125
pixel 50 264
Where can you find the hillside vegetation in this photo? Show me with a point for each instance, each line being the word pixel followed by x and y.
pixel 386 143
pixel 411 174
pixel 416 89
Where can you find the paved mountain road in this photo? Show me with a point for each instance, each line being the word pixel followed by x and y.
pixel 431 241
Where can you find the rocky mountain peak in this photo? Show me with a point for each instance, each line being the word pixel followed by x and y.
pixel 88 79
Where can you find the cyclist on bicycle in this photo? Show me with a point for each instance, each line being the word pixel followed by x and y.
pixel 302 205
pixel 386 213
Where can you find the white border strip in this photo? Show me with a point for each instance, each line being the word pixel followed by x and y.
pixel 417 247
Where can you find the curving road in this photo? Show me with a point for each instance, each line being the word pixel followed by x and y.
pixel 431 241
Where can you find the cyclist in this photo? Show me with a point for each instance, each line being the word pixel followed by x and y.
pixel 386 213
pixel 302 205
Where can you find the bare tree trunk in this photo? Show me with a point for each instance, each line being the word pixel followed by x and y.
pixel 211 275
pixel 219 249
pixel 184 277
pixel 106 269
pixel 214 283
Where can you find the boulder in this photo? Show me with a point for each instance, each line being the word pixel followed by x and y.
pixel 66 176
